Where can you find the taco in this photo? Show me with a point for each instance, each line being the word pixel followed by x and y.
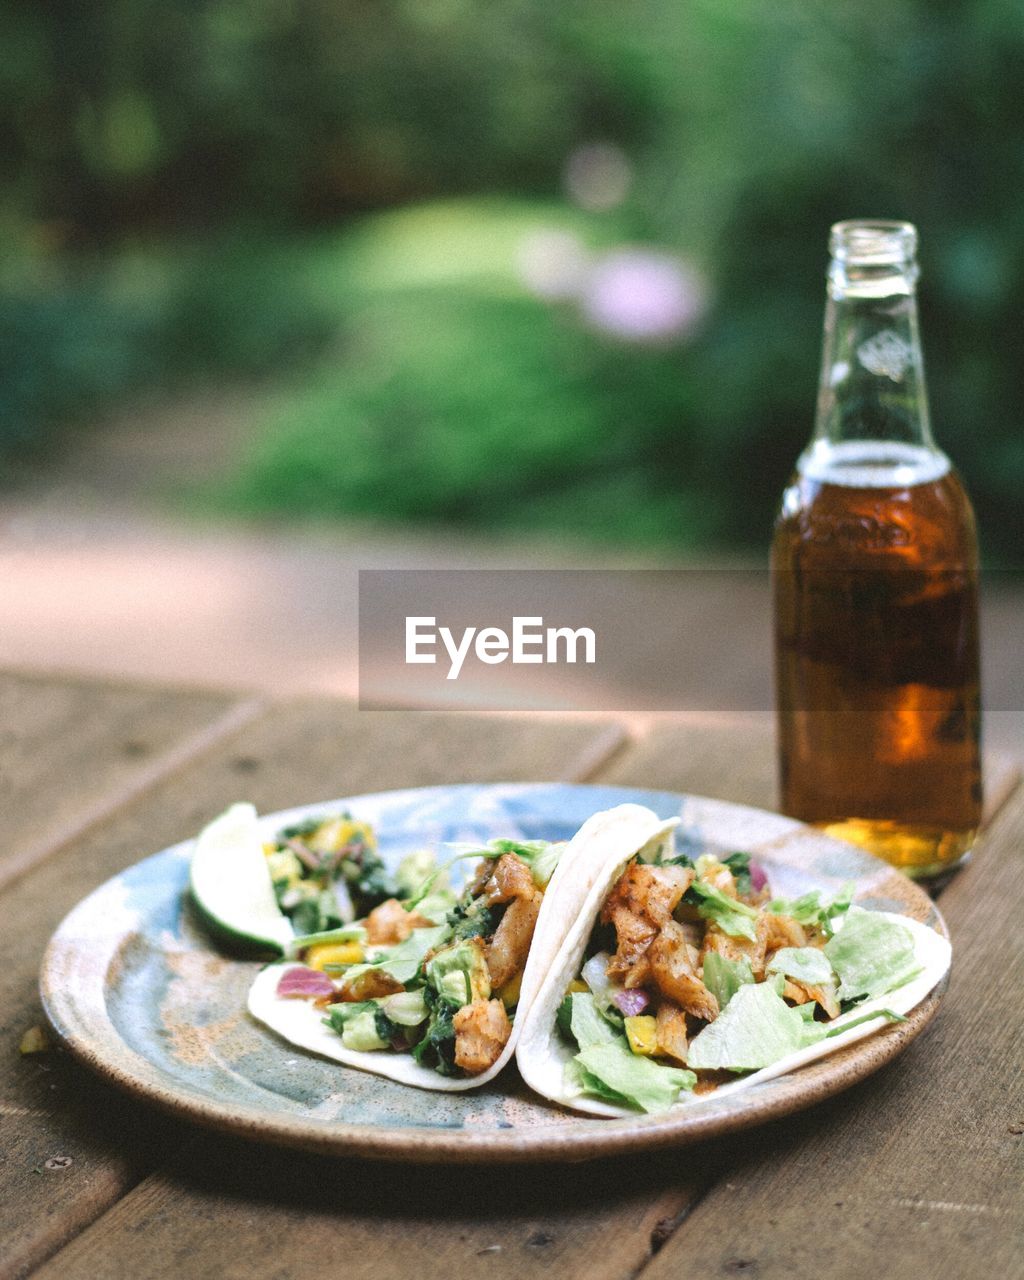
pixel 432 991
pixel 258 894
pixel 682 978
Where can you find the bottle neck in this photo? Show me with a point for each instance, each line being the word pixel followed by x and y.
pixel 872 390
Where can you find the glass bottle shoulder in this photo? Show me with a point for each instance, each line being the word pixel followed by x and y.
pixel 875 500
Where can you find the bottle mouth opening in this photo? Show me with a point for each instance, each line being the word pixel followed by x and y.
pixel 874 242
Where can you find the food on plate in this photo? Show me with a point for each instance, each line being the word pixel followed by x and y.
pixel 625 977
pixel 431 990
pixel 684 976
pixel 315 875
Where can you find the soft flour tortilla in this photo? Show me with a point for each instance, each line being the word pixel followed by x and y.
pixel 542 1054
pixel 612 835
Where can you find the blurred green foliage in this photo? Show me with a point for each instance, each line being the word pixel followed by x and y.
pixel 459 397
pixel 201 190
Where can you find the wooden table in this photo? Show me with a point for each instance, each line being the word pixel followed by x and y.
pixel 915 1172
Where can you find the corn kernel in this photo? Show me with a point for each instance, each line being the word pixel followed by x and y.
pixel 642 1034
pixel 577 985
pixel 34 1041
pixel 325 953
pixel 335 833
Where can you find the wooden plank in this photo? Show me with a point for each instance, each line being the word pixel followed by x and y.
pixel 916 1172
pixel 224 1212
pixel 304 751
pixel 67 747
pixel 728 757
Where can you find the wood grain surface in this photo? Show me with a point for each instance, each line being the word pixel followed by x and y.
pixel 69 747
pixel 916 1169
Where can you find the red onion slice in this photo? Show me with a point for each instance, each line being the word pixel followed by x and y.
pixel 758 877
pixel 308 983
pixel 631 1002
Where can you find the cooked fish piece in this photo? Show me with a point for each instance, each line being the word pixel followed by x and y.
pixel 481 875
pixel 507 951
pixel 641 901
pixel 675 975
pixel 721 878
pixel 648 890
pixel 716 939
pixel 633 934
pixel 670 1032
pixel 482 1030
pixel 390 923
pixel 694 930
pixel 370 984
pixel 783 931
pixel 511 878
pixel 802 992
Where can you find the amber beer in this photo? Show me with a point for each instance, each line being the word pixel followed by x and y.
pixel 875 574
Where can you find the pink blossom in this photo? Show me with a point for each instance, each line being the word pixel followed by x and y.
pixel 644 295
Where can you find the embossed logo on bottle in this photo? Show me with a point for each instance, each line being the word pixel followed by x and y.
pixel 886 354
pixel 857 529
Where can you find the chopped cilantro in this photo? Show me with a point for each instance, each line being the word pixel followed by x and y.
pixel 739 864
pixel 563 1020
pixel 387 1028
pixel 437 1048
pixel 473 918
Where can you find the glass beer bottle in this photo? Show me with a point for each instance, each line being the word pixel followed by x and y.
pixel 875 575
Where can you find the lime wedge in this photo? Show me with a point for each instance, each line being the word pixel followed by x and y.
pixel 231 883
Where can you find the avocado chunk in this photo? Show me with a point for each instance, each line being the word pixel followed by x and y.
pixel 459 973
pixel 360 1033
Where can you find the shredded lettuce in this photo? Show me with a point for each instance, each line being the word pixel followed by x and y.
pixel 403 960
pixel 541 856
pixel 406 1008
pixel 436 906
pixel 586 1022
pixel 805 964
pixel 758 1028
pixel 732 917
pixel 440 873
pixel 755 1030
pixel 578 1080
pixel 612 1071
pixel 543 866
pixel 414 869
pixel 724 977
pixel 810 910
pixel 871 955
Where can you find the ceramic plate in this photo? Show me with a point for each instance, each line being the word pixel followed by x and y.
pixel 137 991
